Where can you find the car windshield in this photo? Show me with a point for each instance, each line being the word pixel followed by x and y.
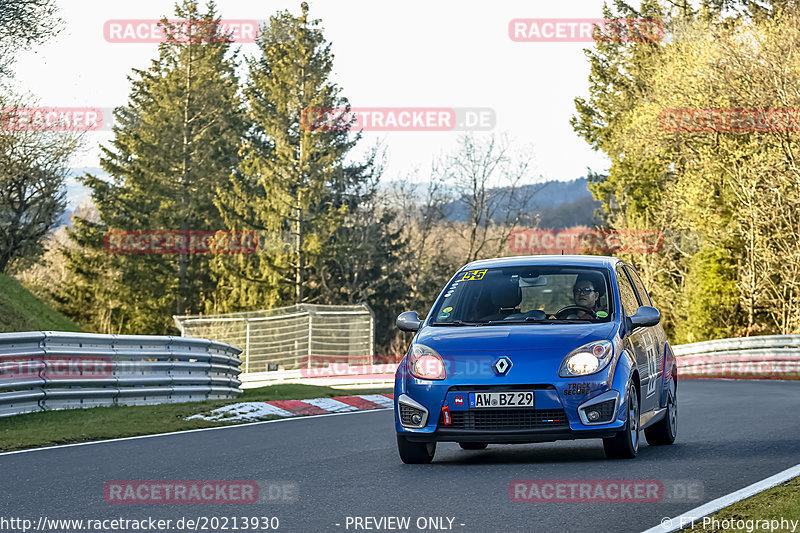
pixel 525 295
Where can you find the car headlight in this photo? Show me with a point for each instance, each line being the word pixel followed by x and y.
pixel 425 363
pixel 588 359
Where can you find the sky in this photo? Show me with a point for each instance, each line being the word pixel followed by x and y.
pixel 445 53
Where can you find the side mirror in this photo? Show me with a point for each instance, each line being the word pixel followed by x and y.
pixel 645 317
pixel 409 321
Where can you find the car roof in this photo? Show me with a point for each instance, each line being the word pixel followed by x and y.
pixel 596 261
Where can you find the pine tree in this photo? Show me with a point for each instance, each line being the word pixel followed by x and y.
pixel 293 182
pixel 176 142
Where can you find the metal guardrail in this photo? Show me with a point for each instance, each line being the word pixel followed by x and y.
pixel 46 370
pixel 763 357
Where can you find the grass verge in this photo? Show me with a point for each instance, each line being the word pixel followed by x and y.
pixel 20 310
pixel 782 501
pixel 34 430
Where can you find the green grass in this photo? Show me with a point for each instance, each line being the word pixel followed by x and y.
pixel 22 311
pixel 81 425
pixel 778 502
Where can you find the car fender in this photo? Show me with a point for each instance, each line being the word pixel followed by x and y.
pixel 400 377
pixel 623 376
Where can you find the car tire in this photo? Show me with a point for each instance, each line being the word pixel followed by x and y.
pixel 625 444
pixel 665 431
pixel 473 445
pixel 415 453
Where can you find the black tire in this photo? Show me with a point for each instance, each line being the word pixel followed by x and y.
pixel 665 431
pixel 415 453
pixel 625 444
pixel 473 445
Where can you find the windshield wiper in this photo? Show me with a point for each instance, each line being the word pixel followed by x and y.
pixel 457 323
pixel 531 320
pixel 501 322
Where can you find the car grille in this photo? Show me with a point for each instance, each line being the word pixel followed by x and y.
pixel 506 419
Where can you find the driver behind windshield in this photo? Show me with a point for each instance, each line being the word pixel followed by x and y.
pixel 586 293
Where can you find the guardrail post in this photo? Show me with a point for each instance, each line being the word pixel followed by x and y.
pixel 310 314
pixel 247 346
pixel 371 334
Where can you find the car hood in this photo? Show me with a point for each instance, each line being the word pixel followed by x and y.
pixel 535 350
pixel 460 339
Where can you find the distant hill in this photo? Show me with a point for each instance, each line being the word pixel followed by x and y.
pixel 556 204
pixel 22 311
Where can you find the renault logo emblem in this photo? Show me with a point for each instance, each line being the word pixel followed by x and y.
pixel 502 365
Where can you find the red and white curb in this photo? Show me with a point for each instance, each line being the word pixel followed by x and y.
pixel 252 411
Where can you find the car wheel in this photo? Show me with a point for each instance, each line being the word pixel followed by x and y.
pixel 625 444
pixel 473 445
pixel 414 453
pixel 665 431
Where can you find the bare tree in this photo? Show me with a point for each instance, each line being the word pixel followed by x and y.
pixel 24 23
pixel 487 179
pixel 423 209
pixel 33 169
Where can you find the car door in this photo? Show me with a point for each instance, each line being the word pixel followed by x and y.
pixel 653 339
pixel 639 342
pixel 655 342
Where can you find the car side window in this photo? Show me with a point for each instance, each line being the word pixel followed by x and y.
pixel 627 295
pixel 644 298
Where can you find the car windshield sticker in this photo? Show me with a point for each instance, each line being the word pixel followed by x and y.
pixel 602 314
pixel 473 275
pixel 447 309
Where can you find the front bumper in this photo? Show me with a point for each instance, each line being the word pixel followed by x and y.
pixel 559 411
pixel 509 437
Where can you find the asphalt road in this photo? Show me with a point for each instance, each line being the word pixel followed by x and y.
pixel 730 434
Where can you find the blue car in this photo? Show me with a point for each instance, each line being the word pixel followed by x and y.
pixel 537 349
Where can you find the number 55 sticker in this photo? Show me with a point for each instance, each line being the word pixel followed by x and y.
pixel 652 363
pixel 473 275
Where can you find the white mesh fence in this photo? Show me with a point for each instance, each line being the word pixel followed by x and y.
pixel 291 338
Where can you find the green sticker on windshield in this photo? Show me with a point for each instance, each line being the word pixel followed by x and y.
pixel 602 314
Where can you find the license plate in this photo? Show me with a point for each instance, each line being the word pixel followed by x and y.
pixel 480 400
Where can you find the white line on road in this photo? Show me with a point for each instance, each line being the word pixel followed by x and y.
pixel 668 525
